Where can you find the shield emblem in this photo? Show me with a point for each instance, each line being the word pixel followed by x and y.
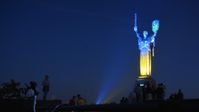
pixel 155 25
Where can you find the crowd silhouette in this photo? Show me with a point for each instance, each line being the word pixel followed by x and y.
pixel 179 96
pixel 141 93
pixel 14 90
pixel 150 92
pixel 77 100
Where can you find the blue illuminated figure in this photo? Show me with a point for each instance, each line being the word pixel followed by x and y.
pixel 146 46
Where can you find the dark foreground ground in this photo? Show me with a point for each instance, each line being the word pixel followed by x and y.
pixel 191 105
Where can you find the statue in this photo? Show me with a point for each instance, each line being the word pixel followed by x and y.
pixel 146 46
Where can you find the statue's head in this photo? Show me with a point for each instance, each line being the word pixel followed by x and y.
pixel 145 34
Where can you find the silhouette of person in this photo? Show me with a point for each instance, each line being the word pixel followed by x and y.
pixel 160 91
pixel 122 101
pixel 33 86
pixel 46 87
pixel 126 101
pixel 31 92
pixel 80 100
pixel 172 97
pixel 180 95
pixel 72 101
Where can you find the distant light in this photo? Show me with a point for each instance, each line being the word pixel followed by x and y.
pixel 141 84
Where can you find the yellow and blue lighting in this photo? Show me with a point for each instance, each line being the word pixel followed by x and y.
pixel 146 51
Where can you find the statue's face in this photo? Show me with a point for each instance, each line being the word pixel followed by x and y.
pixel 145 34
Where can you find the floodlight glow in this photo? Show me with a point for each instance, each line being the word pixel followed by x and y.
pixel 146 51
pixel 112 73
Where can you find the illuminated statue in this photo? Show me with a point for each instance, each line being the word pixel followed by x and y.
pixel 146 46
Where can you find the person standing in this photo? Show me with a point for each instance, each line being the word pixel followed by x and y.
pixel 46 87
pixel 73 101
pixel 180 95
pixel 32 93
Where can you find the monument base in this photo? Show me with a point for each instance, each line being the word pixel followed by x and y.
pixel 145 88
pixel 146 81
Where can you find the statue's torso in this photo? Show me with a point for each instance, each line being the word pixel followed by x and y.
pixel 144 46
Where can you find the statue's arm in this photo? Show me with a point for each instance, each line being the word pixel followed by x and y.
pixel 153 37
pixel 137 34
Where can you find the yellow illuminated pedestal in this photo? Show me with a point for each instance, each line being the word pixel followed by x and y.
pixel 145 65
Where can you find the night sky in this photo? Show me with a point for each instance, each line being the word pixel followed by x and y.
pixel 88 47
